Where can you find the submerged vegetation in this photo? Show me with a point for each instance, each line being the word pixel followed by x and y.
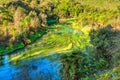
pixel 87 33
pixel 52 42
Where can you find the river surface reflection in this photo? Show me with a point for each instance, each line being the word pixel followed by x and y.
pixel 35 68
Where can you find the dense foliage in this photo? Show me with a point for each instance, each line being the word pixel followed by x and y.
pixel 93 34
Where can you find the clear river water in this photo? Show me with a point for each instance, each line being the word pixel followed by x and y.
pixel 36 68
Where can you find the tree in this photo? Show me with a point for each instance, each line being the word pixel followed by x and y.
pixel 19 16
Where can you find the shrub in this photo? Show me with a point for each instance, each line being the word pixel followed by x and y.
pixel 78 65
pixel 101 39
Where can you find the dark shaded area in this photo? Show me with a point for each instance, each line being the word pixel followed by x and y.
pixel 53 19
pixel 19 3
pixel 102 41
pixel 80 65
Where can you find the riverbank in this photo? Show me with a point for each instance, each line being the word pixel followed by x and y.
pixel 32 38
pixel 21 23
pixel 60 38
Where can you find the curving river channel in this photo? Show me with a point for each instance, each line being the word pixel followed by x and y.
pixel 41 60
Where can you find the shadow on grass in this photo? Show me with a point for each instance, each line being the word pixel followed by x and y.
pixel 79 65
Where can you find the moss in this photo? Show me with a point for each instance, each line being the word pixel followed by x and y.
pixel 10 49
pixel 37 35
pixel 50 22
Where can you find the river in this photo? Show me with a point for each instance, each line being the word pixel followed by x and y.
pixel 36 68
pixel 41 60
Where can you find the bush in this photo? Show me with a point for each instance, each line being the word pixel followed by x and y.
pixel 78 65
pixel 101 39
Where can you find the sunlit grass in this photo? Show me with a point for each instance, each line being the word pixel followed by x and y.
pixel 102 4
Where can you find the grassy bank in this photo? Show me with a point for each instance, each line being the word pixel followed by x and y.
pixel 17 46
pixel 60 38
